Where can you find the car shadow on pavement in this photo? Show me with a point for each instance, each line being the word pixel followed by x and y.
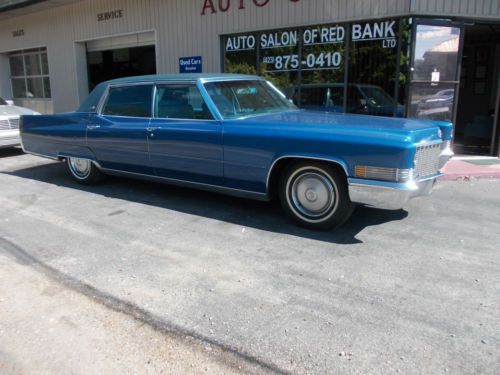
pixel 10 152
pixel 266 216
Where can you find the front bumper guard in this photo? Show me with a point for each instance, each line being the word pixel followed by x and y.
pixel 388 195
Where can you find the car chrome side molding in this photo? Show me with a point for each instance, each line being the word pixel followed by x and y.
pixel 197 185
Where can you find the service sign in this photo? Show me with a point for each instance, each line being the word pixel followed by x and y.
pixel 191 64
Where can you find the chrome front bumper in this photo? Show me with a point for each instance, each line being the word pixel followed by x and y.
pixel 388 195
pixel 394 195
pixel 9 138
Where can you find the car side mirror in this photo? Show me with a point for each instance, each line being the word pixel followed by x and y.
pixel 9 102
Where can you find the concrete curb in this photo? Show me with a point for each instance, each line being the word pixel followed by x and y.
pixel 460 169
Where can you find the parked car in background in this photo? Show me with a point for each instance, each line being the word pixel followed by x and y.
pixel 239 135
pixel 361 99
pixel 9 122
pixel 437 106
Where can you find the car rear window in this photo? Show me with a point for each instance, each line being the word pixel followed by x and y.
pixel 130 101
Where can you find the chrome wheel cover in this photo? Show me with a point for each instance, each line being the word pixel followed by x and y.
pixel 80 167
pixel 313 194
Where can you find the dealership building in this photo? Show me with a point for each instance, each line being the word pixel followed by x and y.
pixel 432 59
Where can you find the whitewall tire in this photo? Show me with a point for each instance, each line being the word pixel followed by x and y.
pixel 315 195
pixel 84 171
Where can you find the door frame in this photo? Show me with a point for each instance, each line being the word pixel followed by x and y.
pixel 433 22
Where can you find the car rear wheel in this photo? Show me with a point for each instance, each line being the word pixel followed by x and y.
pixel 84 171
pixel 315 195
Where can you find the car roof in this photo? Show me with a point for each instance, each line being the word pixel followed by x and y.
pixel 182 77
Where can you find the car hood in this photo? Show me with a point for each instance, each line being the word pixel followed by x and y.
pixel 13 110
pixel 390 128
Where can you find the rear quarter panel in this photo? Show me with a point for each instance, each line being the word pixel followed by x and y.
pixel 55 135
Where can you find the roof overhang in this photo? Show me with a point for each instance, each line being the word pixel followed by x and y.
pixel 15 8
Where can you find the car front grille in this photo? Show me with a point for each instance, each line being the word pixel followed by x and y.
pixel 427 160
pixel 9 123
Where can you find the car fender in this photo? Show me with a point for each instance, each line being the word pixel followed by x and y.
pixel 327 158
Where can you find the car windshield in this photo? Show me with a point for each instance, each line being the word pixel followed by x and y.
pixel 235 99
pixel 377 96
pixel 2 102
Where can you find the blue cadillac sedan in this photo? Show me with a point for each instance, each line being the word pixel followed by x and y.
pixel 239 135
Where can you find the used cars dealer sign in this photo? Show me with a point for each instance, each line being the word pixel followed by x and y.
pixel 191 64
pixel 213 6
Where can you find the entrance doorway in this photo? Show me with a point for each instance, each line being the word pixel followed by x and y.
pixel 120 56
pixel 477 112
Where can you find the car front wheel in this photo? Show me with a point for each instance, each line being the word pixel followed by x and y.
pixel 315 195
pixel 83 171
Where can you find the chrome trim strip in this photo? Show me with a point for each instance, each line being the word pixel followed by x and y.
pixel 199 185
pixel 344 167
pixel 429 143
pixel 173 181
pixel 225 79
pixel 153 101
pixel 41 155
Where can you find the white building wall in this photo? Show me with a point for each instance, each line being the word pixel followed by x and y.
pixel 477 9
pixel 181 30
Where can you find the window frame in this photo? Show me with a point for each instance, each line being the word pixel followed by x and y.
pixel 38 52
pixel 105 97
pixel 176 83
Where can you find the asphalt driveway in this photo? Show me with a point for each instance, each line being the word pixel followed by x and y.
pixel 410 291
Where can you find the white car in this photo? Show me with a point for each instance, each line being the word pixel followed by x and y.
pixel 9 122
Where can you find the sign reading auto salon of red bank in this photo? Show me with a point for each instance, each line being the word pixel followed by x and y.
pixel 214 6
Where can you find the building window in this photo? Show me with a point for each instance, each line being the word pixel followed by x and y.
pixel 29 70
pixel 352 67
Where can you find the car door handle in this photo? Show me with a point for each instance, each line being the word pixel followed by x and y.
pixel 151 128
pixel 93 127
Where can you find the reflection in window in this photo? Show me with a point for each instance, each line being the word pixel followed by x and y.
pixel 236 99
pixel 279 57
pixel 436 53
pixel 321 97
pixel 240 54
pixel 309 64
pixel 432 101
pixel 30 74
pixel 323 55
pixel 181 102
pixel 372 69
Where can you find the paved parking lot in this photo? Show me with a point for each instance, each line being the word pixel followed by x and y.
pixel 410 291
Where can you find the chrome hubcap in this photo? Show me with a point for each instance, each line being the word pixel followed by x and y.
pixel 313 194
pixel 80 167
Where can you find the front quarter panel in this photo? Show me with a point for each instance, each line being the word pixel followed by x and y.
pixel 252 149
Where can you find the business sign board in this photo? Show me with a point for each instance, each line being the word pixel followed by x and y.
pixel 190 64
pixel 323 47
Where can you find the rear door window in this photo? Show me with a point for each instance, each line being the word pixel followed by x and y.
pixel 129 101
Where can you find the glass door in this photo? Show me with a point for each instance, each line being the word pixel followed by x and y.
pixel 435 70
